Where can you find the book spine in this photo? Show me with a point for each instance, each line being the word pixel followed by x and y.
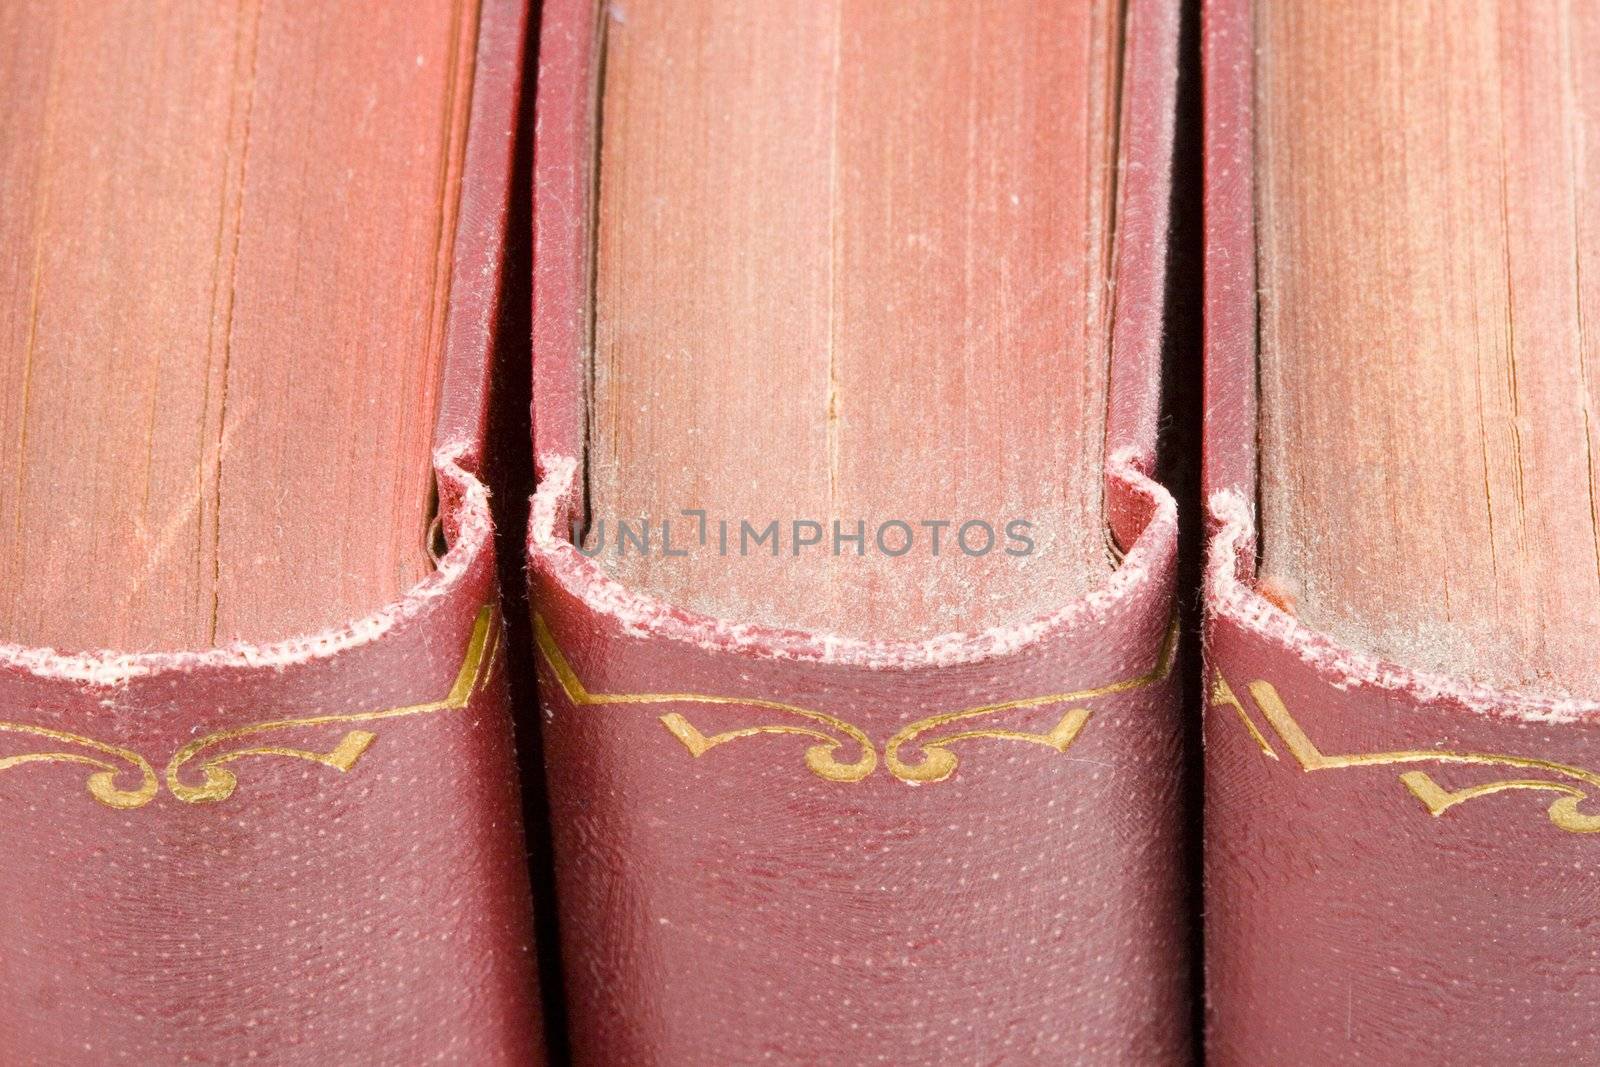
pixel 305 852
pixel 780 845
pixel 1396 864
pixel 965 850
pixel 1399 865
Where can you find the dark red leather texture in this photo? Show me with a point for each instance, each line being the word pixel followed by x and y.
pixel 303 853
pixel 1400 867
pixel 778 846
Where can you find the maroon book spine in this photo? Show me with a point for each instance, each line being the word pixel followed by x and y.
pixel 786 846
pixel 305 852
pixel 1399 865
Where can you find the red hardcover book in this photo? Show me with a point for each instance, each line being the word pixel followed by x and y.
pixel 811 809
pixel 251 290
pixel 1401 758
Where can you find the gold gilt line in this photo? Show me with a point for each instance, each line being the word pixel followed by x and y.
pixel 219 782
pixel 820 758
pixel 1222 693
pixel 938 761
pixel 1563 811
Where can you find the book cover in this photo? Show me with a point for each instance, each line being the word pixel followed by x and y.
pixel 1398 841
pixel 774 842
pixel 301 850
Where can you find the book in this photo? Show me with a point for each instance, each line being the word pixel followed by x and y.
pixel 810 291
pixel 1400 738
pixel 258 792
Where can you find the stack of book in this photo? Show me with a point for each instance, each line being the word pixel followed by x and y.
pixel 718 533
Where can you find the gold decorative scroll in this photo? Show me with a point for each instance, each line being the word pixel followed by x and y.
pixel 1573 785
pixel 110 763
pixel 219 781
pixel 212 754
pixel 936 763
pixel 830 733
